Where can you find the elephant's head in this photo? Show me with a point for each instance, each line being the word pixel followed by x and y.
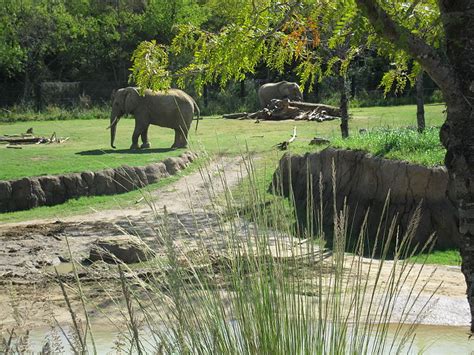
pixel 124 101
pixel 291 91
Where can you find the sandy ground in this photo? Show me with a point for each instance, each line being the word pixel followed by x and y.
pixel 28 249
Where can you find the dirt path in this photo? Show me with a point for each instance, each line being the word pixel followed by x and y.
pixel 28 249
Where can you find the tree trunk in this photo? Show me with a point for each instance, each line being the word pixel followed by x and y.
pixel 242 89
pixel 420 103
pixel 457 133
pixel 205 95
pixel 344 107
pixel 458 140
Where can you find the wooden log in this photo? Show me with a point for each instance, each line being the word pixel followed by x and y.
pixel 234 115
pixel 22 140
pixel 308 106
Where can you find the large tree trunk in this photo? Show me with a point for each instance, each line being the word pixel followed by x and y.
pixel 420 103
pixel 455 77
pixel 457 133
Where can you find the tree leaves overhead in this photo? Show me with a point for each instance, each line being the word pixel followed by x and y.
pixel 84 39
pixel 317 38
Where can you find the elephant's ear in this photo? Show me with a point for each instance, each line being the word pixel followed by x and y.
pixel 131 100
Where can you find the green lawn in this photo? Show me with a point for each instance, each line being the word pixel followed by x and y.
pixel 440 257
pixel 399 143
pixel 88 147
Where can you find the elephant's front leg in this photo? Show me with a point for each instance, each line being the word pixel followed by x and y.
pixel 139 128
pixel 145 142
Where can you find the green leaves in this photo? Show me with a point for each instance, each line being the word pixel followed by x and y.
pixel 150 61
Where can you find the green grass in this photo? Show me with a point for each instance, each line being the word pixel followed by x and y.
pixel 52 113
pixel 440 257
pixel 88 147
pixel 401 143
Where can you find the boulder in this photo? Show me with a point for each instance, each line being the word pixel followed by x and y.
pixel 5 195
pixel 88 179
pixel 142 179
pixel 104 182
pixel 188 156
pixel 54 190
pixel 126 249
pixel 75 186
pixel 173 165
pixel 126 179
pixel 26 193
pixel 155 172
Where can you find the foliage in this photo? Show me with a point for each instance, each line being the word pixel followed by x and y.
pixel 308 34
pixel 421 18
pixel 77 40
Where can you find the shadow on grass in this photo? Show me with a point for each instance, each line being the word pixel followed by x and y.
pixel 125 151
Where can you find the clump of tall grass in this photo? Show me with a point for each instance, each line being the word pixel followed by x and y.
pixel 262 290
pixel 23 113
pixel 399 143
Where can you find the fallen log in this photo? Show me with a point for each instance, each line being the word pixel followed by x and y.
pixel 308 106
pixel 285 110
pixel 234 115
pixel 21 140
pixel 28 138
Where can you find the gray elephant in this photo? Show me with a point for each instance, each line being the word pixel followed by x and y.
pixel 280 90
pixel 171 109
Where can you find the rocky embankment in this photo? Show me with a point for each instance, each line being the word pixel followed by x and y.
pixel 31 192
pixel 364 182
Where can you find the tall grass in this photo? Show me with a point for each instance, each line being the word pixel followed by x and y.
pixel 400 143
pixel 252 287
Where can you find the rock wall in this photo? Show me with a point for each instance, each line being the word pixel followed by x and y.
pixel 26 193
pixel 364 181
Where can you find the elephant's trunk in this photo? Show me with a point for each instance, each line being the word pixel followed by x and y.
pixel 113 128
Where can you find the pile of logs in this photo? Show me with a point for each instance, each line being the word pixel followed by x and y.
pixel 16 140
pixel 296 110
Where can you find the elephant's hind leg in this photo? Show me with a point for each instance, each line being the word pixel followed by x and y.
pixel 180 140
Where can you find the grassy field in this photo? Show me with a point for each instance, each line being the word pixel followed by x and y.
pixel 88 147
pixel 399 143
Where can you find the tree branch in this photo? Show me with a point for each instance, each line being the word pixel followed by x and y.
pixel 438 69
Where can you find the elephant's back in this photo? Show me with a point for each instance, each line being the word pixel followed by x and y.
pixel 170 96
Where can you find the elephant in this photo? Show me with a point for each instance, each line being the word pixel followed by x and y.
pixel 280 90
pixel 171 109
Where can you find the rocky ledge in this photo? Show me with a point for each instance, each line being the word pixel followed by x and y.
pixel 363 183
pixel 31 192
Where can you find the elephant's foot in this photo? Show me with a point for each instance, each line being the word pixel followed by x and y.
pixel 145 145
pixel 178 146
pixel 134 146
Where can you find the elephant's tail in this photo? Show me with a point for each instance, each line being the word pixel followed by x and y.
pixel 198 113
